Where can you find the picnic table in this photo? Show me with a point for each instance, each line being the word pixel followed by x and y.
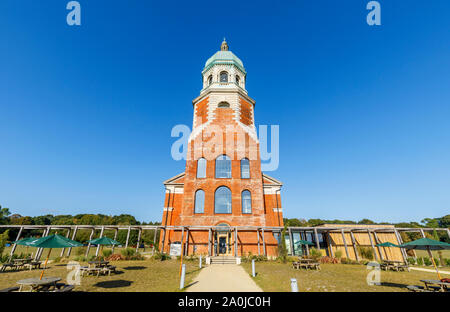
pixel 17 264
pixel 36 284
pixel 394 265
pixel 306 263
pixel 97 267
pixel 433 284
pixel 98 264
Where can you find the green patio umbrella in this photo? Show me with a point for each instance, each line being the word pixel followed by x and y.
pixel 52 241
pixel 303 242
pixel 428 245
pixel 386 244
pixel 25 242
pixel 104 241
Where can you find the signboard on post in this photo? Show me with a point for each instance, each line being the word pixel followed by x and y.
pixel 175 249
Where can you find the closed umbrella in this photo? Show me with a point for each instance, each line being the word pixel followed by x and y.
pixel 52 241
pixel 428 245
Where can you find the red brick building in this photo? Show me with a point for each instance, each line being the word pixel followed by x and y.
pixel 223 203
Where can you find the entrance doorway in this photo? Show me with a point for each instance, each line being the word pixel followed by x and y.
pixel 223 240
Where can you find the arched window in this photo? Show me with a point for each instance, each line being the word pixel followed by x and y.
pixel 223 105
pixel 223 167
pixel 245 168
pixel 222 200
pixel 237 79
pixel 209 80
pixel 224 76
pixel 199 201
pixel 201 168
pixel 246 202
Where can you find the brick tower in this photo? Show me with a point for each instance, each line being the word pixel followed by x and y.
pixel 223 187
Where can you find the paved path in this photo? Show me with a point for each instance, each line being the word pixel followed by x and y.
pixel 429 270
pixel 223 278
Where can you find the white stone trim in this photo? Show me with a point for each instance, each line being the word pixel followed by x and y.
pixel 279 210
pixel 174 189
pixel 271 189
pixel 168 208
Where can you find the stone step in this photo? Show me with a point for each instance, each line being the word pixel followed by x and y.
pixel 223 260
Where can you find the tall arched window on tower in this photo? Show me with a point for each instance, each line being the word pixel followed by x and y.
pixel 222 200
pixel 209 80
pixel 223 76
pixel 199 201
pixel 201 168
pixel 246 202
pixel 223 167
pixel 245 168
pixel 237 79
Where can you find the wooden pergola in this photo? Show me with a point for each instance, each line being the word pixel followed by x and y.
pixel 71 231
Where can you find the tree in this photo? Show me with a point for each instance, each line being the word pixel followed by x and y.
pixel 4 213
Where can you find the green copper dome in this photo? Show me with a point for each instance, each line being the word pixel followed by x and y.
pixel 224 57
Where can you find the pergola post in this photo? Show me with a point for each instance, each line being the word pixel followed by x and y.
pixel 15 245
pixel 138 240
pixel 89 244
pixel 317 239
pixel 154 241
pixel 329 244
pixel 345 244
pixel 164 239
pixel 182 243
pixel 259 245
pixel 402 250
pixel 264 242
pixel 116 231
pixel 291 242
pixel 128 237
pixel 236 253
pixel 236 243
pixel 98 246
pixel 73 238
pixel 186 249
pixel 377 241
pixel 373 247
pixel 307 246
pixel 40 250
pixel 67 236
pixel 354 245
pixel 209 242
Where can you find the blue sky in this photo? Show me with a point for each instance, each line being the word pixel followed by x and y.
pixel 86 112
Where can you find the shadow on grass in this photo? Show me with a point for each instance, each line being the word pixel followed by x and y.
pixel 135 268
pixel 113 284
pixel 387 284
pixel 193 271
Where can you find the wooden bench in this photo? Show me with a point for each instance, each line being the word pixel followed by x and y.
pixel 306 264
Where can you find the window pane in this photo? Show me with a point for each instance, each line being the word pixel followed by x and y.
pixel 201 168
pixel 246 202
pixel 223 167
pixel 222 200
pixel 245 169
pixel 223 77
pixel 199 201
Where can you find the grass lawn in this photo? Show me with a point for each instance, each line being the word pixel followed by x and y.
pixel 145 275
pixel 272 276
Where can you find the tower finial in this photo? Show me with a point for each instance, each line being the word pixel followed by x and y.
pixel 224 46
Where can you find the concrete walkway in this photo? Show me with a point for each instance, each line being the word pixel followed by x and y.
pixel 223 278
